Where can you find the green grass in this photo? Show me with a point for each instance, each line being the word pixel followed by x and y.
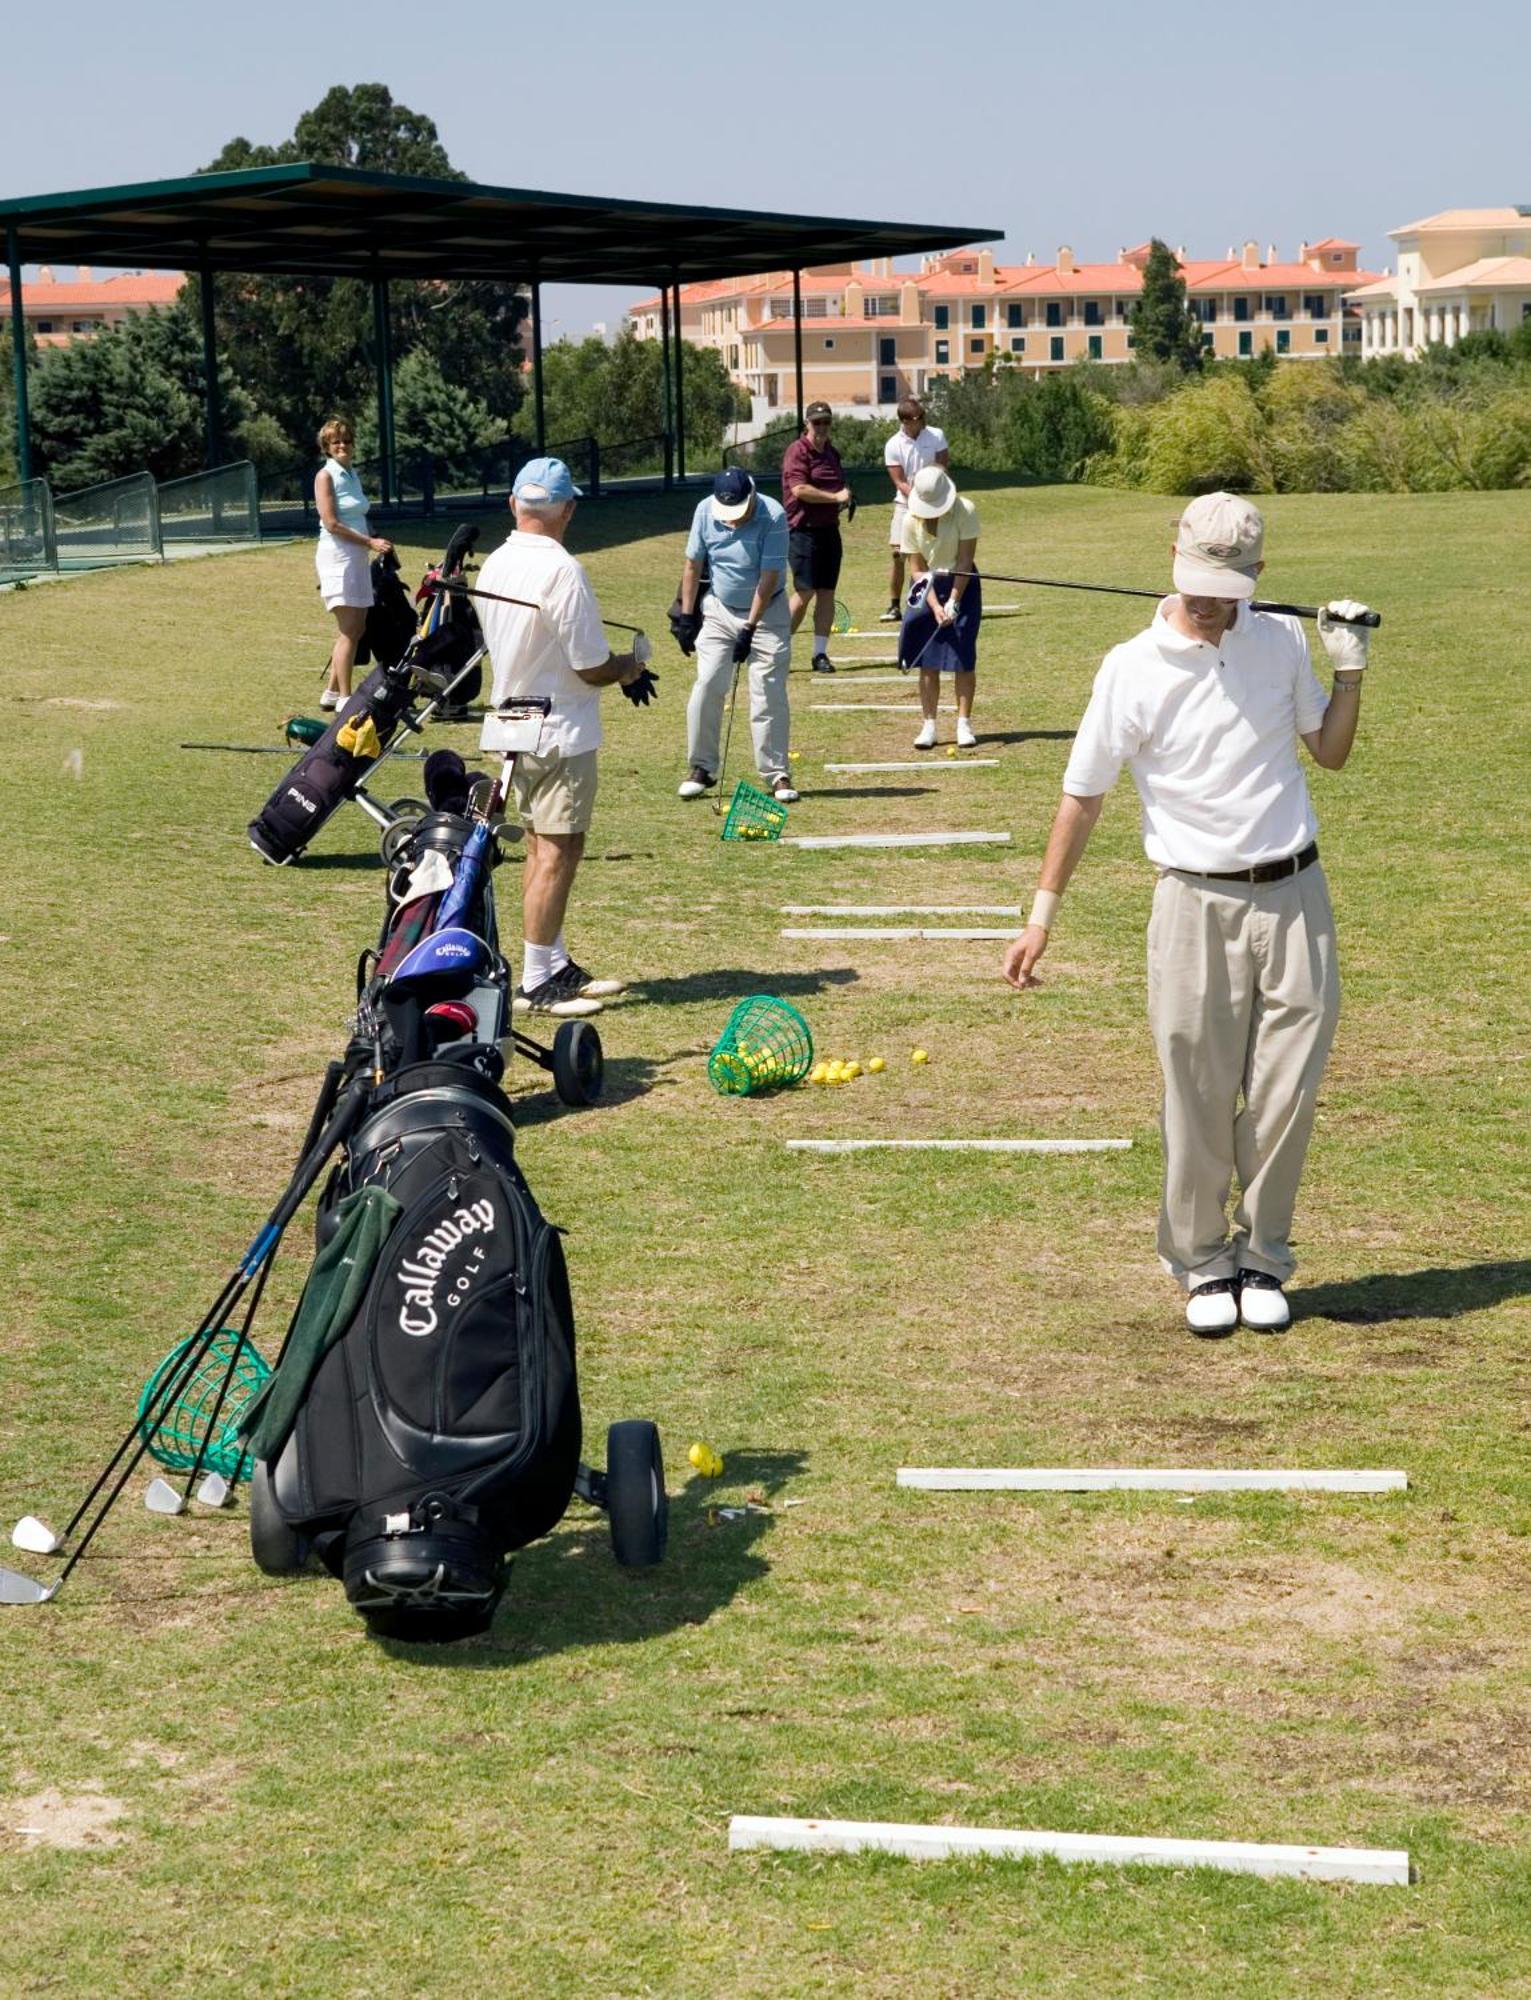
pixel 306 1811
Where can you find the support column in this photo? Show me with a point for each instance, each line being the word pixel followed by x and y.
pixel 19 357
pixel 797 337
pixel 664 385
pixel 212 401
pixel 384 387
pixel 539 408
pixel 680 384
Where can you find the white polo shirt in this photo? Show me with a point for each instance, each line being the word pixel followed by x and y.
pixel 1210 736
pixel 536 652
pixel 913 454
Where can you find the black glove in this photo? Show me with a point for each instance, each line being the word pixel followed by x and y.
pixel 640 689
pixel 742 645
pixel 685 628
pixel 850 510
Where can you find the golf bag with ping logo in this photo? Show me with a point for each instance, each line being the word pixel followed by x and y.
pixel 424 1418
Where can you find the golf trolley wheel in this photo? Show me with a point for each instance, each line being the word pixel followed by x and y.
pixel 636 1505
pixel 578 1065
pixel 277 1549
pixel 394 839
pixel 408 808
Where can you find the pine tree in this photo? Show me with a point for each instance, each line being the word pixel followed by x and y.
pixel 1163 326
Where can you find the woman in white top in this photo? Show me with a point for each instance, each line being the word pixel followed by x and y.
pixel 344 555
pixel 940 629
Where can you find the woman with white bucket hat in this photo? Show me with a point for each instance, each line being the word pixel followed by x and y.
pixel 939 634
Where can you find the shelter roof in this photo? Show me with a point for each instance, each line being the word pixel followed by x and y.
pixel 1450 219
pixel 1487 275
pixel 330 221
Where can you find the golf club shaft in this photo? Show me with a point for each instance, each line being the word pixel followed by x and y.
pixel 241 1342
pixel 728 737
pixel 1370 619
pixel 525 603
pixel 338 1128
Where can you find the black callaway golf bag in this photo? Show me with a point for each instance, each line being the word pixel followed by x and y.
pixel 333 769
pixel 433 1425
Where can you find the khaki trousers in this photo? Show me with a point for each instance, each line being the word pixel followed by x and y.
pixel 1243 998
pixel 770 658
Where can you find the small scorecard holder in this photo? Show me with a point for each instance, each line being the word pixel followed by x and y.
pixel 514 728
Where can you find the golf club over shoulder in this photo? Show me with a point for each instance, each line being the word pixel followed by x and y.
pixel 1370 619
pixel 445 583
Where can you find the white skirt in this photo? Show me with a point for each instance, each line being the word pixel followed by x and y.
pixel 345 573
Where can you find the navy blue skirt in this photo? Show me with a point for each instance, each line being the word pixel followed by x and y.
pixel 944 649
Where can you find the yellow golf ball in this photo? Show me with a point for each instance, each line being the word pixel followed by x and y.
pixel 876 1066
pixel 951 749
pixel 705 1459
pixel 852 1071
pixel 794 756
pixel 920 1056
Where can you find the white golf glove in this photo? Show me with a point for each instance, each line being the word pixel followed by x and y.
pixel 1345 644
pixel 643 648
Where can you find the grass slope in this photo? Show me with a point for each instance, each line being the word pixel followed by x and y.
pixel 305 1811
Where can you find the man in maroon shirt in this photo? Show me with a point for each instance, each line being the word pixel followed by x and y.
pixel 814 489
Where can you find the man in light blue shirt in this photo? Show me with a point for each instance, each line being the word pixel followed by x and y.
pixel 741 619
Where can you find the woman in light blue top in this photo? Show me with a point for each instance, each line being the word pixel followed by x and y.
pixel 344 555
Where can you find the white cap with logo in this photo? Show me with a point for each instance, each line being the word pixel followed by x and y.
pixel 1218 547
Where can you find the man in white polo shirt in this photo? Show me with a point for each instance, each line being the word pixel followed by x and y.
pixel 913 446
pixel 1205 709
pixel 557 652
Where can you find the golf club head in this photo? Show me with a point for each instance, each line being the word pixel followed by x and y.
pixel 162 1498
pixel 214 1490
pixel 18 1589
pixel 33 1535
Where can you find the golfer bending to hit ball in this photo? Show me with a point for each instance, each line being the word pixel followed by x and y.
pixel 740 620
pixel 557 652
pixel 1205 709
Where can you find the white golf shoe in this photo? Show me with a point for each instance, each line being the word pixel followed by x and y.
pixel 926 740
pixel 966 740
pixel 1262 1303
pixel 1212 1309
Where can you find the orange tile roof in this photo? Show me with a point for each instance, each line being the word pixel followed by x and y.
pixel 1466 218
pixel 132 288
pixel 1488 274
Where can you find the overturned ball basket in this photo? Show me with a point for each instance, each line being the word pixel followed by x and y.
pixel 766 1045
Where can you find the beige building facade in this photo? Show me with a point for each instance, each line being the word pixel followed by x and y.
pixel 872 334
pixel 1465 270
pixel 56 313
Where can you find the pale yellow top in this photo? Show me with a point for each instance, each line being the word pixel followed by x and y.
pixel 936 542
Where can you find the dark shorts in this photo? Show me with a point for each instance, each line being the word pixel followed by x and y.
pixel 814 554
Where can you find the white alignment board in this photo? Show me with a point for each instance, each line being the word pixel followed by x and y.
pixel 922 764
pixel 873 708
pixel 893 839
pixel 841 933
pixel 1145 1479
pixel 900 909
pixel 958 1145
pixel 1380 1865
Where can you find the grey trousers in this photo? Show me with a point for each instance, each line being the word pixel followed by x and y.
pixel 769 659
pixel 1243 998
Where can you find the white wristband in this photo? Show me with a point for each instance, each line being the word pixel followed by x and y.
pixel 1044 907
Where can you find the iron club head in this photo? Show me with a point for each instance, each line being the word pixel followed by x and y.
pixel 33 1535
pixel 214 1490
pixel 162 1498
pixel 18 1589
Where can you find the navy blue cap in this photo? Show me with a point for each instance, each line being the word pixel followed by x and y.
pixel 732 492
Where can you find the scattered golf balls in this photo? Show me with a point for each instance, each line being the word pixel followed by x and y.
pixel 706 1460
pixel 920 1056
pixel 876 1066
pixel 819 1073
pixel 951 749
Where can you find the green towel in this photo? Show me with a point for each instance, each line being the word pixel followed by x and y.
pixel 336 1287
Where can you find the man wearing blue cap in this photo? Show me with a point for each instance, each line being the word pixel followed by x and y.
pixel 559 653
pixel 742 619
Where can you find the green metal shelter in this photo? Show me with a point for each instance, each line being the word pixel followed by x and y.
pixel 308 220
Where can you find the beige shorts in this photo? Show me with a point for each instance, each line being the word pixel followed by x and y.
pixel 555 794
pixel 896 530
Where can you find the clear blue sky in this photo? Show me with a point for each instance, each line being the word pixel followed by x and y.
pixel 1095 125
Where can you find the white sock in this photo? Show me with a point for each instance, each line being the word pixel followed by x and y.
pixel 538 964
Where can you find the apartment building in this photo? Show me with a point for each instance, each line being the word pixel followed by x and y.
pixel 57 313
pixel 872 334
pixel 1466 270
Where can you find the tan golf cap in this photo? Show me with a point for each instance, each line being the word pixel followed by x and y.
pixel 1218 547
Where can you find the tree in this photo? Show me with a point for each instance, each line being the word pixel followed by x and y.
pixel 304 346
pixel 1163 326
pixel 616 393
pixel 431 415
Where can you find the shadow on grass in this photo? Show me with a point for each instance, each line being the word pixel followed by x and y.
pixel 626 1078
pixel 871 792
pixel 567 1592
pixel 1442 1292
pixel 733 983
pixel 1024 736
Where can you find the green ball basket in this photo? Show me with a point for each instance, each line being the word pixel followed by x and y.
pixel 176 1436
pixel 753 814
pixel 305 729
pixel 765 1046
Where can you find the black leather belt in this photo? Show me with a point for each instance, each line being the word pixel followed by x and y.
pixel 1267 871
